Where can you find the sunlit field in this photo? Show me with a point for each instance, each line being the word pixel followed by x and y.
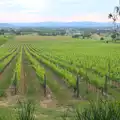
pixel 59 71
pixel 36 37
pixel 61 60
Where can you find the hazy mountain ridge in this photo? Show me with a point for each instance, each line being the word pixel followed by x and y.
pixel 58 24
pixel 6 25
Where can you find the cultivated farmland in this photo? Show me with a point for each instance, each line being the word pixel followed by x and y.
pixel 62 70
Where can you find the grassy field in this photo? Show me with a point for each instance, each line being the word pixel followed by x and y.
pixel 3 39
pixel 46 70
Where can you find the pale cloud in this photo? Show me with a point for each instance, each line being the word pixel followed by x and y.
pixel 34 5
pixel 24 5
pixel 24 17
pixel 91 17
pixel 55 10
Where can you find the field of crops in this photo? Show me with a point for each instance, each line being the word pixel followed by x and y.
pixel 60 69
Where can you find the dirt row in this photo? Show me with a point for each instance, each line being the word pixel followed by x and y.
pixel 5 78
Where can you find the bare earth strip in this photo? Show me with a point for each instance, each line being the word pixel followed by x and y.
pixel 33 87
pixel 6 76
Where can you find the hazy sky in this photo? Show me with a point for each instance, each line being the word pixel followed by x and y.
pixel 55 10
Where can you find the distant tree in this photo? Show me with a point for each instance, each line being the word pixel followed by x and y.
pixel 101 38
pixel 114 16
pixel 86 35
pixel 75 36
pixel 83 37
pixel 107 41
pixel 2 32
pixel 62 33
pixel 113 36
pixel 18 32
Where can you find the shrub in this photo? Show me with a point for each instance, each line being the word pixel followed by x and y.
pixel 106 41
pixel 26 110
pixel 75 36
pixel 104 110
pixel 101 38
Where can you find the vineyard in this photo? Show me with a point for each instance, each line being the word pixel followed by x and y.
pixel 60 69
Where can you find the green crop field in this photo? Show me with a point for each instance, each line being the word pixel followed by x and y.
pixel 47 69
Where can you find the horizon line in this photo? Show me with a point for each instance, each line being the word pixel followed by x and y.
pixel 60 22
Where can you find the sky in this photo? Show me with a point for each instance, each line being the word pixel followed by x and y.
pixel 56 10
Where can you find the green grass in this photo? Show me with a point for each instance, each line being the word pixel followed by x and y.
pixel 7 113
pixel 3 39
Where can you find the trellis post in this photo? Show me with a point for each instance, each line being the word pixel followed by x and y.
pixel 77 85
pixel 105 85
pixel 45 82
